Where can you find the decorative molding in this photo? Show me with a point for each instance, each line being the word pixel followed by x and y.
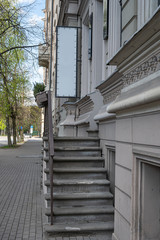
pixel 110 96
pixel 85 105
pixel 87 109
pixel 139 94
pixel 145 69
pixel 70 108
pixel 103 114
pixel 111 88
pixel 70 19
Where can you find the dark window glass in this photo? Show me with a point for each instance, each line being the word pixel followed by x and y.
pixel 105 18
pixel 90 37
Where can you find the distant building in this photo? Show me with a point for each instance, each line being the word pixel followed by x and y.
pixel 30 99
pixel 118 98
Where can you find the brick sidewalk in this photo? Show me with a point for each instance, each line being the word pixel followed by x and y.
pixel 20 196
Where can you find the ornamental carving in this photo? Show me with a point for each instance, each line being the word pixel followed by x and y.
pixel 86 108
pixel 111 95
pixel 145 69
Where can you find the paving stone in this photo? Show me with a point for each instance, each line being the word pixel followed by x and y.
pixel 20 192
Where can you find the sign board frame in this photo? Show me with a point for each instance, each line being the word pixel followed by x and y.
pixel 66 50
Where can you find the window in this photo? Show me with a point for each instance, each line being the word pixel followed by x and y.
pixel 90 37
pixel 105 18
pixel 111 167
pixel 146 196
pixel 149 202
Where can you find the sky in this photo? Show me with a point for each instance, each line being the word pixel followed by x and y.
pixel 34 15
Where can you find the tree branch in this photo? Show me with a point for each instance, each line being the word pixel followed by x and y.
pixel 21 47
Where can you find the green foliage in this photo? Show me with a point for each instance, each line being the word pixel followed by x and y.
pixel 31 115
pixel 2 125
pixel 13 77
pixel 38 87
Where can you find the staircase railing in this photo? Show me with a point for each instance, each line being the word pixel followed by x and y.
pixel 51 150
pixel 43 99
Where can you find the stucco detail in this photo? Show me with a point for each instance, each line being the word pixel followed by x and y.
pixel 145 69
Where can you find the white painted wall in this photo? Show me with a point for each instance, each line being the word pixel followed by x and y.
pixel 145 10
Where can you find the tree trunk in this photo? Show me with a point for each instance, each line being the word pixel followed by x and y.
pixel 21 135
pixel 8 131
pixel 14 125
pixel 18 136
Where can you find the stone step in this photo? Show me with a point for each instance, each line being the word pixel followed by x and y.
pixel 76 141
pixel 78 186
pixel 77 151
pixel 77 173
pixel 68 230
pixel 81 214
pixel 80 199
pixel 74 162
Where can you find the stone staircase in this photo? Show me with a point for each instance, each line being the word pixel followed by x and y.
pixel 82 202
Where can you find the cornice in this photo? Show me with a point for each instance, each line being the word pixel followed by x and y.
pixel 82 6
pixel 111 88
pixel 61 13
pixel 112 79
pixel 70 17
pixel 140 93
pixel 82 100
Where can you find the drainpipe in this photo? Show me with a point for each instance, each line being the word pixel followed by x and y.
pixel 51 148
pixel 120 2
pixel 51 46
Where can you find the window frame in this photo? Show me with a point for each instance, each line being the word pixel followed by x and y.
pixel 139 158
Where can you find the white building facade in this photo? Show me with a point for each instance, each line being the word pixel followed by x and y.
pixel 118 76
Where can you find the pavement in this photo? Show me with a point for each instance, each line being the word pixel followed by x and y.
pixel 20 192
